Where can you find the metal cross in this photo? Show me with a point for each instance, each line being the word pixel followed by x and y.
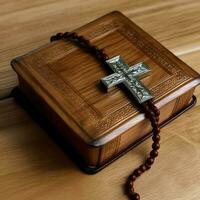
pixel 129 76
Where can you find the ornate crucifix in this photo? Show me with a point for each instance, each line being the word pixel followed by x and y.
pixel 129 76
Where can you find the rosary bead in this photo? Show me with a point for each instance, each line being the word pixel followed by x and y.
pixel 104 56
pixel 81 38
pixel 156 146
pixel 156 129
pixel 66 34
pixel 154 123
pixel 135 196
pixel 156 138
pixel 130 185
pixel 146 108
pixel 131 190
pixel 59 35
pixel 157 118
pixel 74 35
pixel 143 168
pixel 148 166
pixel 154 153
pixel 53 38
pixel 153 120
pixel 156 111
pixel 150 161
pixel 69 34
pixel 137 172
pixel 132 178
pixel 151 112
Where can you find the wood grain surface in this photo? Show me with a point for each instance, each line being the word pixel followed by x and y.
pixel 33 167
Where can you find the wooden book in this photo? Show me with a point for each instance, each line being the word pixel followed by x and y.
pixel 62 82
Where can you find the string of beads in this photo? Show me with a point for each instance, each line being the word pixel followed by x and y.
pixel 148 107
pixel 152 113
pixel 83 42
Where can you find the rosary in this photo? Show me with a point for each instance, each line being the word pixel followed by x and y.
pixel 148 108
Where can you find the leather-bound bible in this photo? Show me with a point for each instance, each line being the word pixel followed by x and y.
pixel 63 83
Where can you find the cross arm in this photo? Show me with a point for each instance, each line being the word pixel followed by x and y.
pixel 139 69
pixel 112 80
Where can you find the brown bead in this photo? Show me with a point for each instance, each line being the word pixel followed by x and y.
pixel 154 153
pixel 105 57
pixel 150 161
pixel 137 172
pixel 156 146
pixel 74 35
pixel 59 35
pixel 53 38
pixel 143 168
pixel 157 112
pixel 153 121
pixel 135 196
pixel 66 34
pixel 156 129
pixel 152 113
pixel 130 184
pixel 69 34
pixel 132 178
pixel 148 166
pixel 157 118
pixel 154 124
pixel 81 38
pixel 131 190
pixel 156 138
pixel 155 109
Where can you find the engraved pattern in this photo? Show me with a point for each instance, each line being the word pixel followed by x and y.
pixel 140 92
pixel 112 80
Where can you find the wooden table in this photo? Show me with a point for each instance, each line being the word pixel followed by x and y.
pixel 32 166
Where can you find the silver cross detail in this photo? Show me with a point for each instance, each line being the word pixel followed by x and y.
pixel 129 76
